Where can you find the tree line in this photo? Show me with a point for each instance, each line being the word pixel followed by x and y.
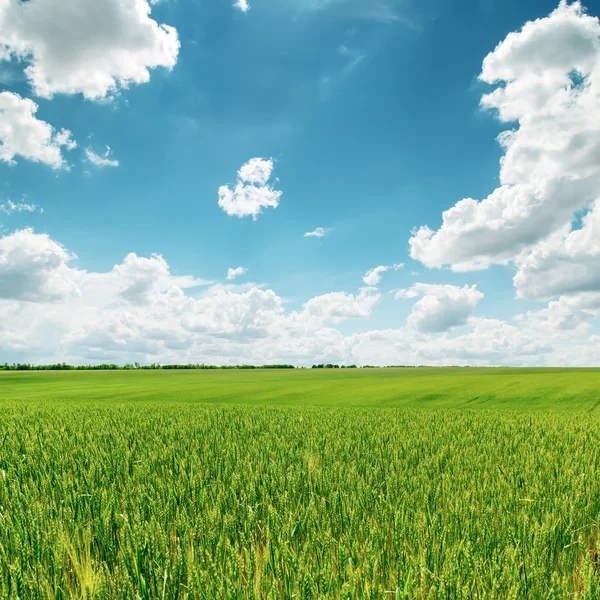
pixel 133 366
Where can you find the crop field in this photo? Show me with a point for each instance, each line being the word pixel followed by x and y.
pixel 306 484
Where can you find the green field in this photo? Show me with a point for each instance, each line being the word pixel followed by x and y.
pixel 375 483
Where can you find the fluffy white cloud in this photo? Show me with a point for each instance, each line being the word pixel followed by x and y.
pixel 566 313
pixel 233 273
pixel 489 342
pixel 35 268
pixel 242 5
pixel 566 263
pixel 319 232
pixel 441 307
pixel 103 160
pixel 220 325
pixel 251 193
pixel 139 310
pixel 247 314
pixel 256 170
pixel 142 281
pixel 85 46
pixel 22 134
pixel 549 84
pixel 373 276
pixel 338 306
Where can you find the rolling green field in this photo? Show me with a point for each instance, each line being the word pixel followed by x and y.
pixel 375 483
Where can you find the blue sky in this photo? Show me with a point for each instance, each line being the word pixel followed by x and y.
pixel 370 113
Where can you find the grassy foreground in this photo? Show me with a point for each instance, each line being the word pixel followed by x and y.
pixel 403 483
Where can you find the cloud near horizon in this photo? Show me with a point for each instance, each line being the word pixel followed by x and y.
pixel 138 310
pixel 441 307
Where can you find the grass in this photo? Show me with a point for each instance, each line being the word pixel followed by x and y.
pixel 520 389
pixel 399 483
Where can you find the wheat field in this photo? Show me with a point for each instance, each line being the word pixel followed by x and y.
pixel 382 483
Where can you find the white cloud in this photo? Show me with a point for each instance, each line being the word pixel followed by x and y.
pixel 242 5
pixel 564 314
pixel 248 314
pixel 441 307
pixel 35 268
pixel 251 193
pixel 225 325
pixel 145 280
pixel 319 232
pixel 488 342
pixel 63 138
pixel 256 170
pixel 139 310
pixel 548 77
pixel 233 273
pixel 81 46
pixel 101 160
pixel 338 306
pixel 565 263
pixel 10 207
pixel 373 276
pixel 22 134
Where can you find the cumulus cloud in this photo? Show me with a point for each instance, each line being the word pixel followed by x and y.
pixel 248 314
pixel 338 306
pixel 92 48
pixel 225 325
pixel 256 170
pixel 24 135
pixel 548 84
pixel 565 263
pixel 489 342
pixel 233 273
pixel 319 232
pixel 144 280
pixel 103 160
pixel 252 192
pixel 35 268
pixel 441 307
pixel 139 310
pixel 373 276
pixel 566 313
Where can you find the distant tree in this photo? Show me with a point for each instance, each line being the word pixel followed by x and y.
pixel 129 366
